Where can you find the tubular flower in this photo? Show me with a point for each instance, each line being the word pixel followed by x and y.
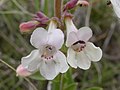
pixel 46 58
pixel 80 52
pixel 116 6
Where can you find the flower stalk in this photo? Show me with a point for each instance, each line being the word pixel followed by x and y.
pixel 58 8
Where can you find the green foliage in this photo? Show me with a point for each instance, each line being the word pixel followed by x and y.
pixel 95 88
pixel 37 76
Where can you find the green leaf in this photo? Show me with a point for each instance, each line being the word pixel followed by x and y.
pixel 37 5
pixel 95 88
pixel 46 7
pixel 68 76
pixel 37 76
pixel 55 85
pixel 72 86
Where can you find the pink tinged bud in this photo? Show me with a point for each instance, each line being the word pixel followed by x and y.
pixel 41 25
pixel 82 3
pixel 71 4
pixel 28 26
pixel 41 15
pixel 21 71
pixel 41 20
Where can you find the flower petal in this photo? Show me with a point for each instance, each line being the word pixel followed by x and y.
pixel 83 61
pixel 31 61
pixel 84 33
pixel 48 70
pixel 116 7
pixel 93 52
pixel 71 39
pixel 61 61
pixel 39 37
pixel 71 58
pixel 56 38
pixel 34 65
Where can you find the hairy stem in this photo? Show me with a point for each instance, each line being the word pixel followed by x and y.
pixel 58 8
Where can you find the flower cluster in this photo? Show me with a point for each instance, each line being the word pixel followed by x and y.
pixel 49 60
pixel 48 41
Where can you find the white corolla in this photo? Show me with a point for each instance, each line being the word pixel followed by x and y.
pixel 47 58
pixel 116 6
pixel 80 52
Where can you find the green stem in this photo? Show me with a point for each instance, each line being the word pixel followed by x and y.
pixel 7 65
pixel 61 82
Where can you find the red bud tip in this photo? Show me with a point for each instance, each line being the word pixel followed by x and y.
pixel 21 71
pixel 71 4
pixel 28 26
pixel 41 15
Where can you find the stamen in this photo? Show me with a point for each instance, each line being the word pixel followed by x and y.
pixel 78 46
pixel 108 2
pixel 48 52
pixel 81 42
pixel 50 48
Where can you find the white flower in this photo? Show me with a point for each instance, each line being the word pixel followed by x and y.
pixel 47 58
pixel 80 52
pixel 116 6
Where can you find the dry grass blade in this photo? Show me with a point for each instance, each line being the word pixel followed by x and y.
pixel 15 71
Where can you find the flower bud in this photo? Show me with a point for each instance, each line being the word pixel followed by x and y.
pixel 41 15
pixel 71 4
pixel 28 26
pixel 21 71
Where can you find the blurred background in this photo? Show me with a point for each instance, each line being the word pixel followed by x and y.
pixel 103 75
